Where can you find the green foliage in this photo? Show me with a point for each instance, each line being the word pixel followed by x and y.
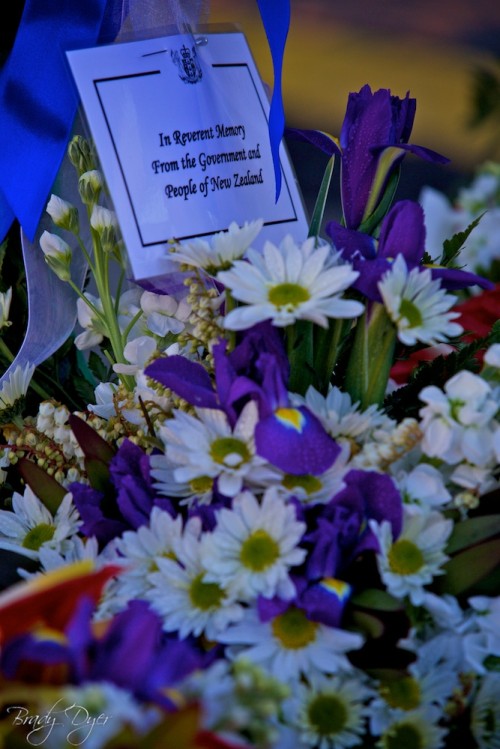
pixel 452 247
pixel 485 94
pixel 405 401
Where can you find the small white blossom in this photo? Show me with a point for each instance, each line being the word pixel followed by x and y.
pixel 458 423
pixel 5 301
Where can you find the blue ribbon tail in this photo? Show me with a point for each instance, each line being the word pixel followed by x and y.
pixel 275 16
pixel 38 102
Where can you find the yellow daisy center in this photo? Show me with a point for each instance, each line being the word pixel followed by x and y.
pixel 293 629
pixel 259 551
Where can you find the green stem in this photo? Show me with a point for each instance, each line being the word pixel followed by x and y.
pixel 230 304
pixel 300 356
pixel 371 358
pixel 131 324
pixel 326 346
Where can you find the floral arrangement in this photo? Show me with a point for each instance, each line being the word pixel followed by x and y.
pixel 255 504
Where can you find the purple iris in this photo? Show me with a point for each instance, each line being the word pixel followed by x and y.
pixel 373 141
pixel 339 530
pixel 290 438
pixel 133 653
pixel 322 601
pixel 127 502
pixel 402 232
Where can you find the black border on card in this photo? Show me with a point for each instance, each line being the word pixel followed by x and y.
pixel 160 242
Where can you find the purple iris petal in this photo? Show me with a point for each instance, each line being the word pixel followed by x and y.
pixel 27 648
pixel 171 284
pixel 373 496
pixel 403 232
pixel 454 279
pixel 263 338
pixel 270 608
pixel 339 530
pixel 130 474
pixel 99 513
pixel 294 440
pixel 188 379
pixel 427 154
pixel 316 137
pixel 325 601
pixel 350 242
pixel 373 122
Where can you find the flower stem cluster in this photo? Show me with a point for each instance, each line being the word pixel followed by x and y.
pixel 106 247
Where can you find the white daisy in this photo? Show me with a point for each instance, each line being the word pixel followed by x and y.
pixel 417 305
pixel 411 561
pixel 290 645
pixel 30 525
pixel 140 551
pixel 16 386
pixel 289 283
pixel 205 445
pixel 328 714
pixel 416 729
pixel 182 595
pixel 253 546
pixel 485 717
pixel 225 247
pixel 342 418
pixel 428 685
pixel 199 490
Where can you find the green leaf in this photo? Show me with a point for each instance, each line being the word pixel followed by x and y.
pixel 373 220
pixel 380 600
pixel 472 531
pixel 319 208
pixel 405 400
pixel 452 247
pixel 47 489
pixel 370 624
pixel 98 367
pixel 94 447
pixel 98 474
pixel 469 567
pixel 3 249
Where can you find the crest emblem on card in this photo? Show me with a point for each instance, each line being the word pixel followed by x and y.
pixel 187 62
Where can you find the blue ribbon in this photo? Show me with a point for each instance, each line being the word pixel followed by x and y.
pixel 38 102
pixel 275 16
pixel 38 99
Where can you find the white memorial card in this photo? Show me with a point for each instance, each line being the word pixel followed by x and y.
pixel 180 124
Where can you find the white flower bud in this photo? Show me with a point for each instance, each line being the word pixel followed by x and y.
pixel 63 214
pixel 5 300
pixel 104 222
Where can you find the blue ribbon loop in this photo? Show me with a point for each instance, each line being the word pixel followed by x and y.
pixel 275 16
pixel 38 102
pixel 38 99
